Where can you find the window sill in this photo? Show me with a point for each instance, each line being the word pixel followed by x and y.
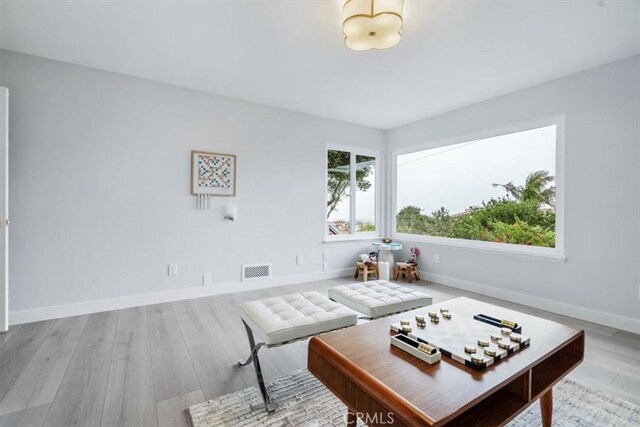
pixel 350 238
pixel 546 254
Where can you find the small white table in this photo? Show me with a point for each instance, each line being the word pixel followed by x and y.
pixel 385 253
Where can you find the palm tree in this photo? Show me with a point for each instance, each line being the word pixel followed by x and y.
pixel 537 188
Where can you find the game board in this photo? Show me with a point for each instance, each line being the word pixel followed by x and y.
pixel 450 336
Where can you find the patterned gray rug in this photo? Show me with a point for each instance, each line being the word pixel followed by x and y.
pixel 304 401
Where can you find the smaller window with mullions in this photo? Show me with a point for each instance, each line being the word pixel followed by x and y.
pixel 351 193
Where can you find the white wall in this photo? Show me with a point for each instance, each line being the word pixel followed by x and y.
pixel 602 177
pixel 99 188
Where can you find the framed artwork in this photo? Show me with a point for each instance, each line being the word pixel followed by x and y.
pixel 213 174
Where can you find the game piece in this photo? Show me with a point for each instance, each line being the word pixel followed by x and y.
pixel 433 314
pixel 419 318
pixel 446 315
pixel 505 331
pixel 469 349
pixel 435 320
pixel 422 325
pixel 490 352
pixel 477 359
pixel 504 345
pixel 405 322
pixel 406 329
pixel 496 337
pixel 509 324
pixel 483 343
pixel 444 310
pixel 516 338
pixel 426 348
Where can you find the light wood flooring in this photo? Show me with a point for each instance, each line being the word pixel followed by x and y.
pixel 145 365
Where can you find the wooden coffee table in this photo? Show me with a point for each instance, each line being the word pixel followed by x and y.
pixel 387 386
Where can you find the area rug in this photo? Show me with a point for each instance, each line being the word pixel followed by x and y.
pixel 303 401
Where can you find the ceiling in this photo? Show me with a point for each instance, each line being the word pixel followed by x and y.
pixel 290 54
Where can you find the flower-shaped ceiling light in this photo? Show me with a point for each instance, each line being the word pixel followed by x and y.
pixel 372 24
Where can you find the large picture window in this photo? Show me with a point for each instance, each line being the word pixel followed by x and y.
pixel 498 189
pixel 351 193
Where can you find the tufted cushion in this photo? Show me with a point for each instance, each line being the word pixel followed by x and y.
pixel 379 297
pixel 280 319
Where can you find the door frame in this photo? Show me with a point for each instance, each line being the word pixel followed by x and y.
pixel 4 209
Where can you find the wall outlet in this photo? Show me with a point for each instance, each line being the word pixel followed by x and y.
pixel 173 270
pixel 325 255
pixel 207 280
pixel 300 259
pixel 436 258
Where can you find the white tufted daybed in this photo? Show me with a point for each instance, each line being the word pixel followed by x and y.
pixel 279 320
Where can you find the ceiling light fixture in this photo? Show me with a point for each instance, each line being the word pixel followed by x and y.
pixel 372 24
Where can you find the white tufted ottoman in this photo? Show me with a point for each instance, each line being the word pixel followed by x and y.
pixel 278 320
pixel 378 298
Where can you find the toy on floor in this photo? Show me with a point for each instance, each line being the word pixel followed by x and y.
pixel 414 256
pixel 409 268
pixel 371 258
pixel 367 264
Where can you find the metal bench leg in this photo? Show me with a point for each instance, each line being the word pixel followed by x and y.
pixel 253 357
pixel 249 359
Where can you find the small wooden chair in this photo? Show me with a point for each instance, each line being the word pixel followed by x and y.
pixel 367 268
pixel 407 270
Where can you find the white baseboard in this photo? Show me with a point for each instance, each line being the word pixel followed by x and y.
pixel 18 317
pixel 590 315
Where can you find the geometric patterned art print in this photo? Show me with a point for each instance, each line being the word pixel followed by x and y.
pixel 213 173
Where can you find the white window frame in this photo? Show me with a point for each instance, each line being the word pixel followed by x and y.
pixel 366 235
pixel 552 254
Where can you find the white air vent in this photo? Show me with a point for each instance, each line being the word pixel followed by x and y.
pixel 256 271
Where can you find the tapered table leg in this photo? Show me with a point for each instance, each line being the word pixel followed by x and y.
pixel 546 408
